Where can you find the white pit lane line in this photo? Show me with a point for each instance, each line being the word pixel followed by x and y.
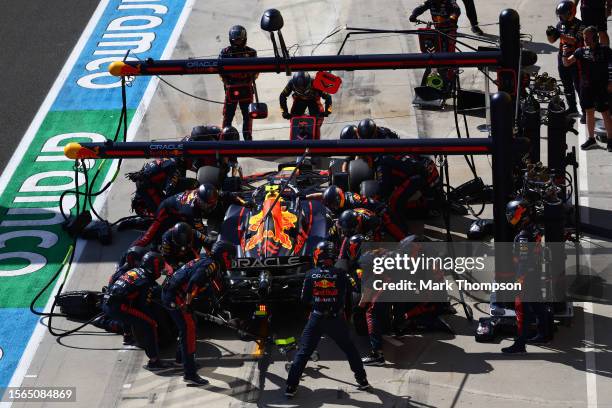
pixel 588 307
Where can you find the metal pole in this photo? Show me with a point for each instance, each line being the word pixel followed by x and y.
pixel 501 135
pixel 501 130
pixel 509 39
pixel 510 43
pixel 531 114
pixel 487 101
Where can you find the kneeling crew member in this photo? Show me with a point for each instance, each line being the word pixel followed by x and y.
pixel 190 207
pixel 181 244
pixel 365 129
pixel 156 181
pixel 128 301
pixel 182 288
pixel 131 259
pixel 325 287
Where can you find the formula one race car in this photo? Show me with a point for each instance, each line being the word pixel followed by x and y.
pixel 275 238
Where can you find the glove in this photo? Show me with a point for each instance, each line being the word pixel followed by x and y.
pixel 210 239
pixel 566 51
pixel 412 18
pixel 135 176
pixel 286 115
pixel 333 230
pixel 552 32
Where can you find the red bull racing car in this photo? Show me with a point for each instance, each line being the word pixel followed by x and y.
pixel 276 237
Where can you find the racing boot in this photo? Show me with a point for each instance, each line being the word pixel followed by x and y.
pixel 195 380
pixel 477 30
pixel 290 391
pixel 375 358
pixel 363 384
pixel 178 362
pixel 156 365
pixel 128 339
pixel 516 348
pixel 539 339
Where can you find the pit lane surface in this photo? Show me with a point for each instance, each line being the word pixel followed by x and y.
pixel 423 370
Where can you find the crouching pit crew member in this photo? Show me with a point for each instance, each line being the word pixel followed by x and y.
pixel 156 181
pixel 365 129
pixel 190 207
pixel 181 244
pixel 128 301
pixel 325 287
pixel 131 259
pixel 182 288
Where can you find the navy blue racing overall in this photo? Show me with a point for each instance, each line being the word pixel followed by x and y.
pixel 325 288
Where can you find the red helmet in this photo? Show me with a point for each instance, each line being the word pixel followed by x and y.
pixel 517 211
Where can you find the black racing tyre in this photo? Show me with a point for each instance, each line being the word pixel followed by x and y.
pixel 369 188
pixel 340 179
pixel 210 175
pixel 335 166
pixel 358 171
pixel 80 305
